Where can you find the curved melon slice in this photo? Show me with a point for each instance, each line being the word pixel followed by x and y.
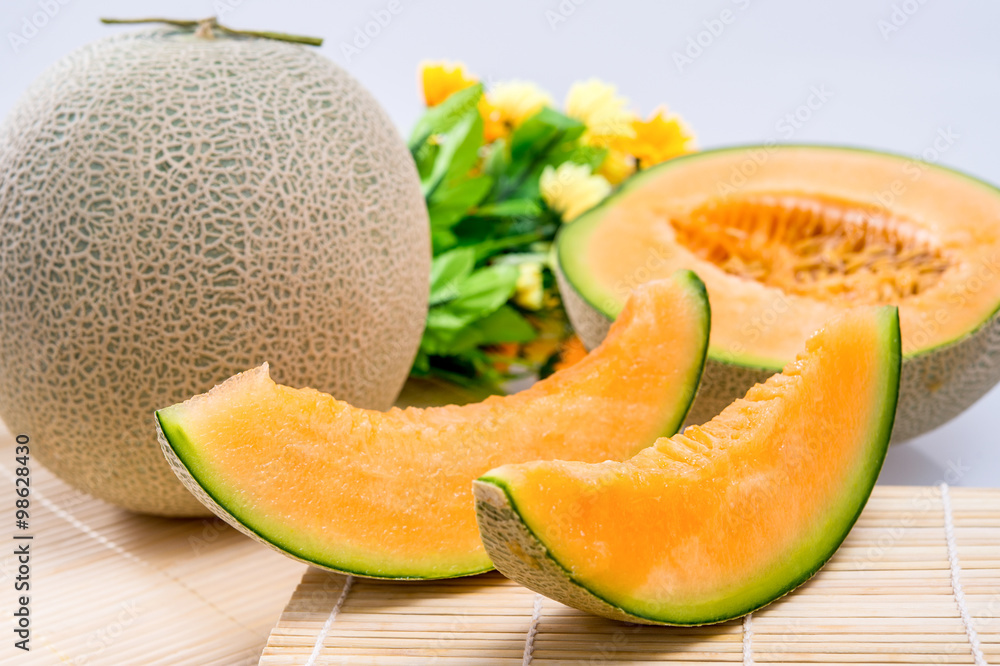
pixel 718 521
pixel 389 494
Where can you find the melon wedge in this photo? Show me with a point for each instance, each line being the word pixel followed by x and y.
pixel 389 494
pixel 718 521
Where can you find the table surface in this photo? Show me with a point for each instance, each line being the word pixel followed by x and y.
pixel 112 587
pixel 879 77
pixel 889 595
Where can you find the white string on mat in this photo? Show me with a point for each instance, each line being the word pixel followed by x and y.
pixel 748 640
pixel 334 612
pixel 37 496
pixel 529 641
pixel 90 532
pixel 956 580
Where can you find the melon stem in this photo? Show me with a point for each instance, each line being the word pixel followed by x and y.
pixel 205 28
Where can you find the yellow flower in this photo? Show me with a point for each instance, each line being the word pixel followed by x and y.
pixel 518 100
pixel 662 137
pixel 617 166
pixel 571 189
pixel 528 292
pixel 597 105
pixel 509 104
pixel 440 79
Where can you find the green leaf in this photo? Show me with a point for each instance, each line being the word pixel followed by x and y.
pixel 425 157
pixel 541 133
pixel 448 270
pixel 510 208
pixel 492 246
pixel 517 258
pixel 442 240
pixel 459 152
pixel 437 341
pixel 477 296
pixel 496 159
pixel 531 148
pixel 549 117
pixel 466 155
pixel 450 204
pixel 442 321
pixel 446 115
pixel 421 364
pixel 527 188
pixel 471 370
pixel 484 291
pixel 503 325
pixel 591 156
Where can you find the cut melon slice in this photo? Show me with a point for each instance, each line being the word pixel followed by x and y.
pixel 718 521
pixel 389 494
pixel 788 237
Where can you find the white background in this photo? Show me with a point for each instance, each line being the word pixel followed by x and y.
pixel 895 73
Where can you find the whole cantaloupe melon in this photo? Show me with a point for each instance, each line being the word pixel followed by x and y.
pixel 175 209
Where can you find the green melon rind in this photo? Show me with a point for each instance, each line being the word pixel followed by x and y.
pixel 720 383
pixel 694 285
pixel 520 555
pixel 173 440
pixel 936 385
pixel 590 324
pixel 178 450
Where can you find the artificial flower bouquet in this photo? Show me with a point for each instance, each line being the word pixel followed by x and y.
pixel 501 169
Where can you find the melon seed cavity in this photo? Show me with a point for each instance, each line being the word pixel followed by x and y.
pixel 818 247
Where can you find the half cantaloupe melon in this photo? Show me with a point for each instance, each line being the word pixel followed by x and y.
pixel 389 494
pixel 787 237
pixel 722 519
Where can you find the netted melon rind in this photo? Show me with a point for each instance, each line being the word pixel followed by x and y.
pixel 520 556
pixel 175 210
pixel 588 323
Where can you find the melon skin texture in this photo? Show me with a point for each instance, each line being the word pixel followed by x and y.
pixel 389 494
pixel 945 370
pixel 723 519
pixel 174 210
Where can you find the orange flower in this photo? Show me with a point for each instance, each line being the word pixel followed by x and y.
pixel 507 353
pixel 440 79
pixel 571 353
pixel 662 137
pixel 494 125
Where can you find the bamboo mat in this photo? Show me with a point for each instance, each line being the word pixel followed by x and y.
pixel 111 587
pixel 889 596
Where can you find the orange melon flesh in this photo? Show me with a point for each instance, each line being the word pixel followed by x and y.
pixel 715 522
pixel 938 234
pixel 388 494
